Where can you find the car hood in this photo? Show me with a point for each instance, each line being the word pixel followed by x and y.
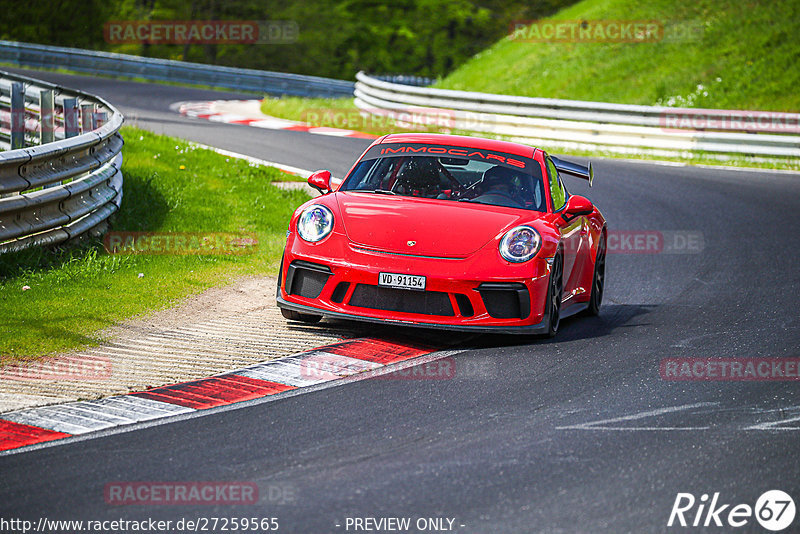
pixel 438 228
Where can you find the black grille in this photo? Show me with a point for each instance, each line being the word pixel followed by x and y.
pixel 506 300
pixel 401 300
pixel 306 279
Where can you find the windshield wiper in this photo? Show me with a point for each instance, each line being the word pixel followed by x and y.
pixel 381 192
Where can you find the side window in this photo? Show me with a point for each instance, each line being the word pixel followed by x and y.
pixel 538 195
pixel 557 191
pixel 360 177
pixel 564 189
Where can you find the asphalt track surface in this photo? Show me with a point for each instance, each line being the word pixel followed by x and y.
pixel 576 434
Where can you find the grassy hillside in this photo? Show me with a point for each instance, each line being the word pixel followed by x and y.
pixel 743 55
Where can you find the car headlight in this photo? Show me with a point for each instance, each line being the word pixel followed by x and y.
pixel 315 223
pixel 520 244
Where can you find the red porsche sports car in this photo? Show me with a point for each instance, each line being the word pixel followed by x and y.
pixel 444 231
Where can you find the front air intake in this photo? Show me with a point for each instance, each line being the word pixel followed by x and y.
pixel 402 300
pixel 339 293
pixel 306 279
pixel 506 300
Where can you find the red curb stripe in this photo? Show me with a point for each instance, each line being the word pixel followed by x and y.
pixel 373 350
pixel 14 435
pixel 217 391
pixel 244 121
pixel 298 128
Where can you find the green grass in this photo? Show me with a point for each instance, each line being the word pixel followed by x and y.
pixel 293 107
pixel 339 113
pixel 745 56
pixel 76 291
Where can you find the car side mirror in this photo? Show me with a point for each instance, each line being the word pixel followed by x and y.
pixel 577 206
pixel 321 181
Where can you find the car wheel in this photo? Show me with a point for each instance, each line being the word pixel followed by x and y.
pixel 554 295
pixel 303 317
pixel 598 280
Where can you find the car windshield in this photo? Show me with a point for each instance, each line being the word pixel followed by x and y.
pixel 451 178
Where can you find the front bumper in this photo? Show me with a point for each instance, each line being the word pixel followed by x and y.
pixel 481 293
pixel 539 328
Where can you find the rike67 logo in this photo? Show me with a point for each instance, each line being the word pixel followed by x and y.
pixel 774 510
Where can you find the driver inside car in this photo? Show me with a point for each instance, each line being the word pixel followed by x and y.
pixel 500 180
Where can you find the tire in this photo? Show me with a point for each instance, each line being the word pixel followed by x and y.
pixel 302 317
pixel 555 292
pixel 598 279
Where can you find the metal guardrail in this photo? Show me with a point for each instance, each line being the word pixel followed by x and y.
pixel 62 176
pixel 105 63
pixel 405 79
pixel 580 125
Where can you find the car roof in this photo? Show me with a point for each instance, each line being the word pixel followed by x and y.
pixel 508 147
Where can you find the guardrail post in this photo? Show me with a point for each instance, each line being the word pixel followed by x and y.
pixel 47 117
pixel 70 117
pixel 17 115
pixel 87 118
pixel 47 126
pixel 100 118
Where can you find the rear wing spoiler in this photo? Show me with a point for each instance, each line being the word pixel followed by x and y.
pixel 574 169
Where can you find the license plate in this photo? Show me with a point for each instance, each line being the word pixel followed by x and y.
pixel 401 281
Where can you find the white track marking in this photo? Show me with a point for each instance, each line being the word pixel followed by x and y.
pixel 139 408
pixel 596 425
pixel 58 418
pixel 286 371
pixel 775 425
pixel 89 416
pixel 272 124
